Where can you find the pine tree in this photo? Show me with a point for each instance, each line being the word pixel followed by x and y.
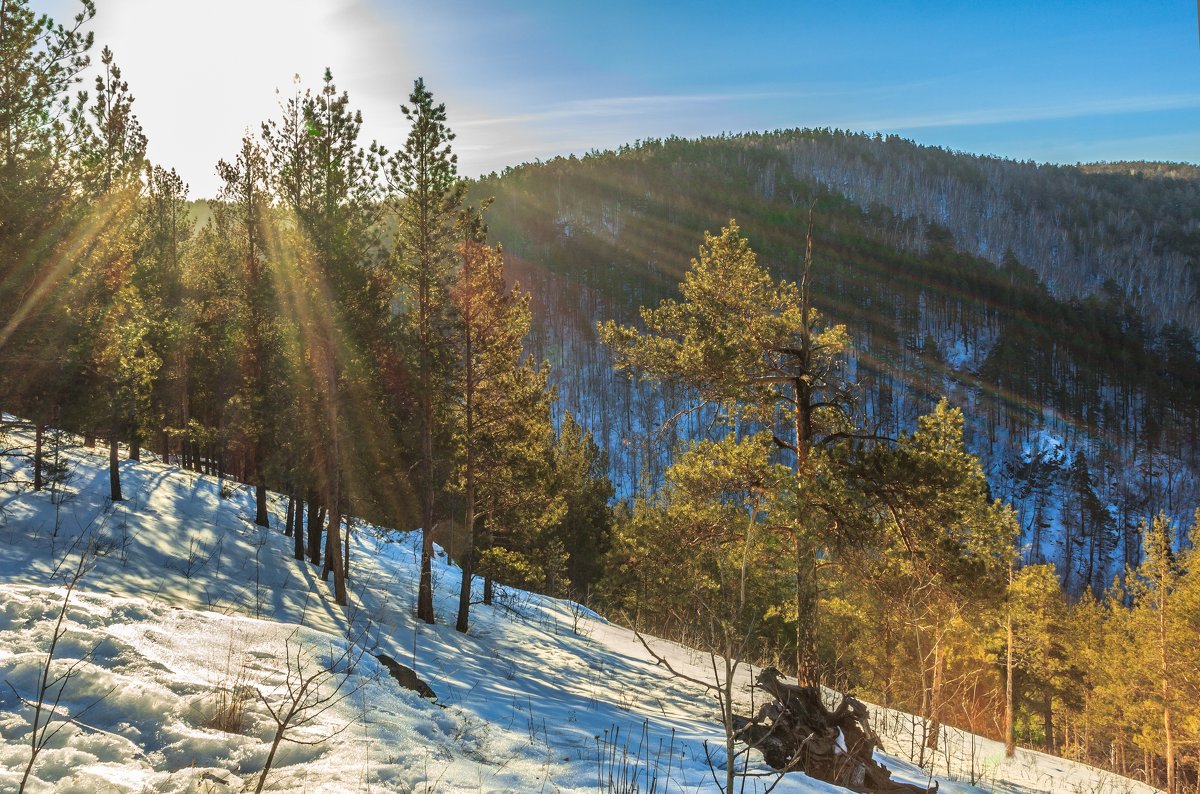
pixel 493 322
pixel 752 349
pixel 107 302
pixel 520 503
pixel 40 63
pixel 167 229
pixel 210 328
pixel 1160 629
pixel 943 543
pixel 327 182
pixel 425 172
pixel 585 530
pixel 704 546
pixel 1040 655
pixel 1089 647
pixel 245 197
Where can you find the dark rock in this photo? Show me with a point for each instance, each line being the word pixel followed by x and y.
pixel 406 677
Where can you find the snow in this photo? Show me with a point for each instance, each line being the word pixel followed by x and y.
pixel 190 607
pixel 1046 447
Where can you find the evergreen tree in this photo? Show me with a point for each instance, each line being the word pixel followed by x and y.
pixel 520 502
pixel 944 543
pixel 245 198
pixel 424 170
pixel 752 349
pixel 704 547
pixel 40 63
pixel 114 324
pixel 493 322
pixel 211 320
pixel 327 182
pixel 1089 646
pixel 1039 650
pixel 585 530
pixel 1160 629
pixel 167 229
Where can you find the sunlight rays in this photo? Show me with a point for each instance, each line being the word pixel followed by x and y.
pixel 325 358
pixel 60 252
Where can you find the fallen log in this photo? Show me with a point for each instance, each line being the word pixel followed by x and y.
pixel 795 731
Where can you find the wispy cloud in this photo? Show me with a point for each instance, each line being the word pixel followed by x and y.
pixel 1003 115
pixel 626 106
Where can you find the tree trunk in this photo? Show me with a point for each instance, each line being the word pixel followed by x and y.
pixel 888 663
pixel 298 539
pixel 316 519
pixel 806 667
pixel 467 556
pixel 489 587
pixel 289 522
pixel 727 715
pixel 467 561
pixel 1048 722
pixel 1010 740
pixel 425 587
pixel 261 517
pixel 1169 748
pixel 39 432
pixel 335 552
pixel 114 467
pixel 262 778
pixel 328 554
pixel 935 696
pixel 333 478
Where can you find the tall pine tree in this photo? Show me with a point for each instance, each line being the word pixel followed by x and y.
pixel 754 350
pixel 327 182
pixel 423 261
pixel 244 196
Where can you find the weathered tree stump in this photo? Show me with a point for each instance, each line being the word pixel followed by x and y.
pixel 795 731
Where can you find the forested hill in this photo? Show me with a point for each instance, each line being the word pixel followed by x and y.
pixel 1128 228
pixel 1057 305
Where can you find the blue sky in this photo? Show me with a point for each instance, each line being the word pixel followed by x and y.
pixel 1048 81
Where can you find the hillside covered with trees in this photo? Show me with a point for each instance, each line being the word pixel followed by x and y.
pixel 1083 410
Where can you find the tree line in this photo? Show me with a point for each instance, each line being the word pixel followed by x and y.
pixel 333 326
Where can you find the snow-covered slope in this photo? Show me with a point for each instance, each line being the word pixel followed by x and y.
pixel 191 617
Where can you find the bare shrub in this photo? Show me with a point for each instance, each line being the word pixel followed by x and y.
pixel 313 684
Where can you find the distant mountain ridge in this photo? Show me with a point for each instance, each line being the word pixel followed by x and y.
pixel 1078 228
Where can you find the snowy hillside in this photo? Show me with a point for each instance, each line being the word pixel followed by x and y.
pixel 190 619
